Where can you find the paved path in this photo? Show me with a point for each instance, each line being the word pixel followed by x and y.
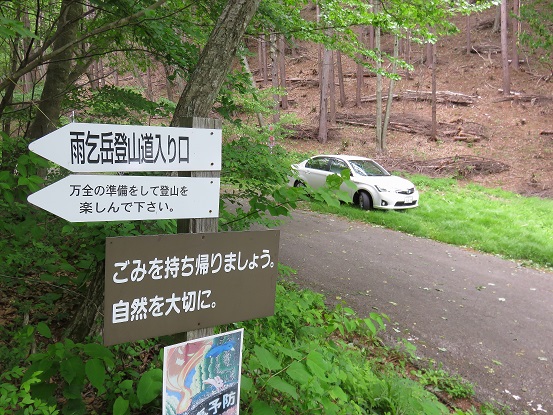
pixel 487 319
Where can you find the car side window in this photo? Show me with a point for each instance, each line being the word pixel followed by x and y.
pixel 337 165
pixel 319 163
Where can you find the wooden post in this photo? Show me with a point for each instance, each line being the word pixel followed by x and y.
pixel 203 225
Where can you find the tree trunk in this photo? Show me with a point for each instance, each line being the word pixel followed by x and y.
pixel 260 119
pixel 149 86
pixel 407 55
pixel 203 87
pixel 282 70
pixel 198 98
pixel 274 77
pixel 428 52
pixel 515 33
pixel 359 84
pixel 505 50
pixel 332 90
pixel 433 133
pixel 390 96
pixel 48 113
pixel 88 319
pixel 341 79
pixel 371 37
pixel 263 60
pixel 359 74
pixel 379 144
pixel 323 107
pixel 371 27
pixel 497 21
pixel 101 74
pixel 168 82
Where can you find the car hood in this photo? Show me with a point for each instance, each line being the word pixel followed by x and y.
pixel 388 182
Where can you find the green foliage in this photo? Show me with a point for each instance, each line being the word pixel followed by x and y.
pixel 439 380
pixel 18 399
pixel 254 179
pixel 113 377
pixel 118 105
pixel 298 362
pixel 537 35
pixel 10 29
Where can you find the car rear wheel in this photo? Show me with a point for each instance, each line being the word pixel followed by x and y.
pixel 299 183
pixel 365 201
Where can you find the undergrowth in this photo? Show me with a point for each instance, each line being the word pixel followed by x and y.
pixel 304 359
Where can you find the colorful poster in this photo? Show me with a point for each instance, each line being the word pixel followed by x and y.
pixel 202 376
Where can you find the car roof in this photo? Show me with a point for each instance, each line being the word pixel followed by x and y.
pixel 342 156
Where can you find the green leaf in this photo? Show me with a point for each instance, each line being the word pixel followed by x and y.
pixel 100 352
pixel 150 386
pixel 246 384
pixel 298 372
pixel 318 365
pixel 280 384
pixel 23 181
pixel 338 393
pixel 74 390
pixel 370 325
pixel 96 373
pixel 267 359
pixel 74 407
pixel 44 330
pixel 334 181
pixel 47 277
pixel 120 406
pixel 262 408
pixel 126 385
pixel 9 197
pixel 72 368
pixel 291 353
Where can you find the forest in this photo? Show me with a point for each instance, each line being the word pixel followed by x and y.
pixel 168 63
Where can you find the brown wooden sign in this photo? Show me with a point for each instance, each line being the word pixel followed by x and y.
pixel 165 284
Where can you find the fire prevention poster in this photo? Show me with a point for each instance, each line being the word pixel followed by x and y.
pixel 202 376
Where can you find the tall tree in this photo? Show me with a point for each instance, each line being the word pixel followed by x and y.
pixel 215 60
pixel 515 33
pixel 323 101
pixel 505 50
pixel 57 74
pixel 379 142
pixel 196 100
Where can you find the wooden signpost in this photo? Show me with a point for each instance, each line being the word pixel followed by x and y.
pixel 164 284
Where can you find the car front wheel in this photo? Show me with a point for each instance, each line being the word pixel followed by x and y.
pixel 299 183
pixel 365 201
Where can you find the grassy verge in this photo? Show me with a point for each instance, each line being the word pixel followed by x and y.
pixel 488 220
pixel 308 359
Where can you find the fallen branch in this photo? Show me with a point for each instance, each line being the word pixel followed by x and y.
pixel 458 129
pixel 517 96
pixel 441 96
pixel 460 166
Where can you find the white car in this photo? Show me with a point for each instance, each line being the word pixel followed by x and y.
pixel 376 188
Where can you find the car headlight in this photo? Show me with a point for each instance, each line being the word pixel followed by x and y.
pixel 381 189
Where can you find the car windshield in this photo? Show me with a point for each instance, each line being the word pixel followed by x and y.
pixel 367 168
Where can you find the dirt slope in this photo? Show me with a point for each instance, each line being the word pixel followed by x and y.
pixel 512 133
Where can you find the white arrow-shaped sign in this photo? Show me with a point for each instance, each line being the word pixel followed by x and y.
pixel 124 148
pixel 95 198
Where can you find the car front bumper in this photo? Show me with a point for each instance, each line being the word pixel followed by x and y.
pixel 392 201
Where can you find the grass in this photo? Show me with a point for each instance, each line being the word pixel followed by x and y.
pixel 489 220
